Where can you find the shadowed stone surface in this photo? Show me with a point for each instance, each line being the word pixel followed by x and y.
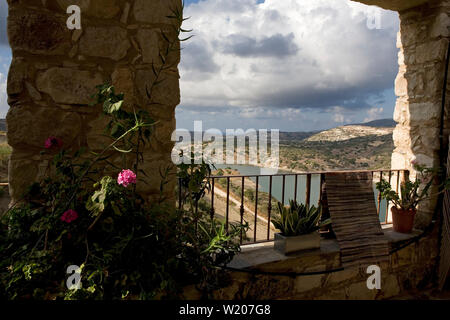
pixel 422 42
pixel 408 268
pixel 102 42
pixel 396 5
pixel 68 86
pixel 38 32
pixel 55 70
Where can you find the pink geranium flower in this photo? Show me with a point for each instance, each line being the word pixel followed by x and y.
pixel 53 142
pixel 69 216
pixel 126 177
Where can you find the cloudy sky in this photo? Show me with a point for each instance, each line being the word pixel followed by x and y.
pixel 293 65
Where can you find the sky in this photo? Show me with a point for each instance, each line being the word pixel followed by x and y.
pixel 292 65
pixel 5 59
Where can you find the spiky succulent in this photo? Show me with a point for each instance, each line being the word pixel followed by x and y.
pixel 298 219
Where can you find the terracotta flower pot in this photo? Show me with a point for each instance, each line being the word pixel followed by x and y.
pixel 403 220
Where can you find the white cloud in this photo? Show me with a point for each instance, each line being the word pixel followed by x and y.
pixel 286 54
pixel 373 114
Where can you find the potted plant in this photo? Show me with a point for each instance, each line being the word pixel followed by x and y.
pixel 298 225
pixel 411 194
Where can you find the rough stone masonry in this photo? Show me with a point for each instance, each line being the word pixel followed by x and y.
pixel 422 42
pixel 54 72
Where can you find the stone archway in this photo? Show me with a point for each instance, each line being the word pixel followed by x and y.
pixel 54 72
pixel 422 42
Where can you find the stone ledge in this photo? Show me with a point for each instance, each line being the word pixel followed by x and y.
pixel 263 256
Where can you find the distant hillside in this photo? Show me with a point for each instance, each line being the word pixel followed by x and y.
pixel 350 132
pixel 377 127
pixel 381 123
pixel 2 124
pixel 296 136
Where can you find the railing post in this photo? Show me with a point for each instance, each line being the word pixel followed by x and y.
pixel 256 207
pixel 212 199
pixel 295 188
pixel 269 207
pixel 379 196
pixel 308 189
pixel 320 188
pixel 242 204
pixel 228 203
pixel 387 201
pixel 405 176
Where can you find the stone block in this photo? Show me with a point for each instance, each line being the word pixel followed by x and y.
pixel 123 82
pixel 162 132
pixel 431 51
pixel 103 9
pixel 423 114
pixel 38 32
pixel 149 42
pixel 83 4
pixel 34 94
pixel 415 82
pixel 155 11
pixel 359 291
pixel 307 283
pixel 408 34
pixel 389 287
pixel 401 136
pixel 345 275
pixel 97 138
pixel 401 85
pixel 69 86
pixel 16 76
pixel 401 111
pixel 440 26
pixel 166 92
pixel 30 126
pixel 267 287
pixel 22 174
pixel 105 42
pixel 152 44
pixel 428 139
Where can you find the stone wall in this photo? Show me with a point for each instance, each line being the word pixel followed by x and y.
pixel 423 41
pixel 409 269
pixel 54 72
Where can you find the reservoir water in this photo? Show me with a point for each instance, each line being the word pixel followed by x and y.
pixel 277 185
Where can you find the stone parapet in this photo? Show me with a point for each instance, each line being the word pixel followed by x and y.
pixel 264 274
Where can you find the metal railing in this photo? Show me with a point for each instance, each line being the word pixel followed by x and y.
pixel 255 206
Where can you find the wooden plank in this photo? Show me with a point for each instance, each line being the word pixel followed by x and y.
pixel 353 211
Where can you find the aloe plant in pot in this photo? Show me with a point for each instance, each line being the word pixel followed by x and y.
pixel 298 225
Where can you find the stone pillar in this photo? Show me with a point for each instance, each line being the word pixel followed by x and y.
pixel 423 41
pixel 54 72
